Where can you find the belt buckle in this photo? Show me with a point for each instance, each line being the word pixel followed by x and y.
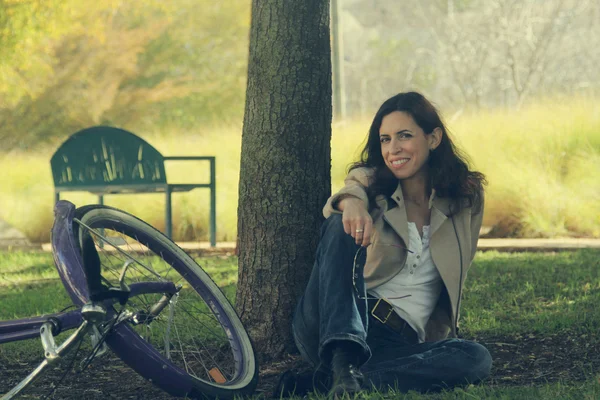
pixel 383 321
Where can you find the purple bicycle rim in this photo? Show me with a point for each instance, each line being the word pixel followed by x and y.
pixel 67 257
pixel 124 341
pixel 147 360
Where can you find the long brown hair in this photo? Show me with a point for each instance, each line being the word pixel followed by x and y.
pixel 449 172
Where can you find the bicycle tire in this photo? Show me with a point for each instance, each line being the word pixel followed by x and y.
pixel 143 356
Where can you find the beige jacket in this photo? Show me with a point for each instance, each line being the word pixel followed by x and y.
pixel 452 246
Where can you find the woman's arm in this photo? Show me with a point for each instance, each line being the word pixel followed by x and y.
pixel 353 203
pixel 355 185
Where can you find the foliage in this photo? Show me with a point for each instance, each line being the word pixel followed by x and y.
pixel 469 53
pixel 181 65
pixel 26 30
pixel 129 64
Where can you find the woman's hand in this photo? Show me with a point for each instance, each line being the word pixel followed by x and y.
pixel 357 221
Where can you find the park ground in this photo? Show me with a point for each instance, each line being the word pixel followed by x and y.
pixel 537 313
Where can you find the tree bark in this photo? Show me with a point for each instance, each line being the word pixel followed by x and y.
pixel 285 164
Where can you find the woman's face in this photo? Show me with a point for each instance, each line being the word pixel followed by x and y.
pixel 404 146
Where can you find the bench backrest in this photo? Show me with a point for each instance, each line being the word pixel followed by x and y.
pixel 102 156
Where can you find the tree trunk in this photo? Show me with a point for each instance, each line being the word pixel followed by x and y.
pixel 285 165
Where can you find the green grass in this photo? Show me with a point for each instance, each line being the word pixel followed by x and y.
pixel 508 296
pixel 533 293
pixel 542 163
pixel 30 285
pixel 589 390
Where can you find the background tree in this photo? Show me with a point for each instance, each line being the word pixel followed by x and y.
pixel 144 65
pixel 180 66
pixel 285 163
pixel 470 53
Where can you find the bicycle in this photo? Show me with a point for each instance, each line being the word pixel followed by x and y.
pixel 150 302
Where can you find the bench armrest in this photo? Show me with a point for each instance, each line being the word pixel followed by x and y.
pixel 184 158
pixel 213 178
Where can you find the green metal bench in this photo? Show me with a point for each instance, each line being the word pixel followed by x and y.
pixel 104 160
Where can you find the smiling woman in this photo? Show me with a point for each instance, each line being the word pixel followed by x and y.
pixel 423 139
pixel 382 304
pixel 405 147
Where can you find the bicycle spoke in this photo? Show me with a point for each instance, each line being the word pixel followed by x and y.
pixel 192 336
pixel 183 355
pixel 207 350
pixel 113 245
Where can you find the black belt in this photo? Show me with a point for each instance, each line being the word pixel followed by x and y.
pixel 384 312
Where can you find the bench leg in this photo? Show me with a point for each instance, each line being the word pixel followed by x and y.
pixel 213 202
pixel 213 217
pixel 168 222
pixel 101 199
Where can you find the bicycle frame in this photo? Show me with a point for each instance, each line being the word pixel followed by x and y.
pixel 29 328
pixel 48 326
pixel 85 318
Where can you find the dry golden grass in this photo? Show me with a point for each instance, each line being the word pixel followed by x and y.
pixel 542 163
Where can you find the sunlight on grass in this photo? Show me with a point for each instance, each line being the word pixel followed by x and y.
pixel 525 293
pixel 506 295
pixel 30 284
pixel 542 163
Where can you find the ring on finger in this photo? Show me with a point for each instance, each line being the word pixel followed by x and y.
pixel 359 231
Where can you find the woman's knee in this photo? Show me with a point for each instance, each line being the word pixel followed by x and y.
pixel 334 225
pixel 477 363
pixel 334 238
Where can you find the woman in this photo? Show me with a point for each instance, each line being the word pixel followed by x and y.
pixel 384 293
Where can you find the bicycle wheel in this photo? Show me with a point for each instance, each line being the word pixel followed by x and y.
pixel 197 346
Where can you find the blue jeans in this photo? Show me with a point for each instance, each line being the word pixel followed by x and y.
pixel 332 310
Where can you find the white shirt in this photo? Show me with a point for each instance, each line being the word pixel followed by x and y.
pixel 419 279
